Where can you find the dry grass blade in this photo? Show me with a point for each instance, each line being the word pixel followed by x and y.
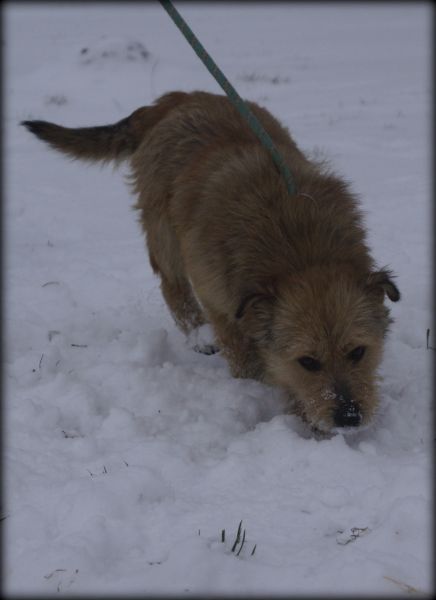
pixel 238 537
pixel 404 586
pixel 242 544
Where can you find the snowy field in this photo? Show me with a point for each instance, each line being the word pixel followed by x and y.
pixel 127 453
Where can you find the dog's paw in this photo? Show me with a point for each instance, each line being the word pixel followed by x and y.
pixel 202 340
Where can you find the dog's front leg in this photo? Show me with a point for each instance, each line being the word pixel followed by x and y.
pixel 240 351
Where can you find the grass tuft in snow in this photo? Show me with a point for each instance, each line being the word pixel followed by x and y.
pixel 237 540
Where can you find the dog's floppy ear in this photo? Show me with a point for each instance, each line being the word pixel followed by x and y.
pixel 252 300
pixel 381 282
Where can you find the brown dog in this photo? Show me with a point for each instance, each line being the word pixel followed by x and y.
pixel 287 282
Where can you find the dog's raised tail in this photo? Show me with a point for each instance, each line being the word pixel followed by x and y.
pixel 107 142
pixel 102 143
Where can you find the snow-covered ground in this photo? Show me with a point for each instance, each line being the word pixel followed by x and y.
pixel 126 453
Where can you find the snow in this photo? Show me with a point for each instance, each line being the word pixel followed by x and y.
pixel 126 453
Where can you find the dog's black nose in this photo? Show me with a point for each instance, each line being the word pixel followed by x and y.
pixel 347 415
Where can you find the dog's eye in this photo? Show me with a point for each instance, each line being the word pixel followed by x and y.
pixel 309 363
pixel 356 354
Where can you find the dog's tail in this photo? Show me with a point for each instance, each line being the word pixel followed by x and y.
pixel 107 142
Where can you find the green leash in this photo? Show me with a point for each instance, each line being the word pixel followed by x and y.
pixel 233 95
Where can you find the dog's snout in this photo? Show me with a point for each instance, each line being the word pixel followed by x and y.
pixel 347 415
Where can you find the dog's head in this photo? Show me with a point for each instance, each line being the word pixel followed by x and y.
pixel 321 336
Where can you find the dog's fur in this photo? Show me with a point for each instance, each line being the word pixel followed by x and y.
pixel 287 282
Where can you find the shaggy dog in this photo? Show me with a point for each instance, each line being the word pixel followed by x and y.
pixel 287 282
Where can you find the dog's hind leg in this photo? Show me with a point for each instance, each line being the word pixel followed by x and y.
pixel 183 306
pixel 167 262
pixel 186 311
pixel 179 298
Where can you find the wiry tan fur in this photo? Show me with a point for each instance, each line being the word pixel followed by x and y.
pixel 279 277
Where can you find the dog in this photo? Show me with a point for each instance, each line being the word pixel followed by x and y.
pixel 287 282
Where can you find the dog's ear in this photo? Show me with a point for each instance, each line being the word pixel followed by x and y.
pixel 252 300
pixel 381 283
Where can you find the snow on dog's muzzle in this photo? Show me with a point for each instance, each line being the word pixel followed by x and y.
pixel 347 412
